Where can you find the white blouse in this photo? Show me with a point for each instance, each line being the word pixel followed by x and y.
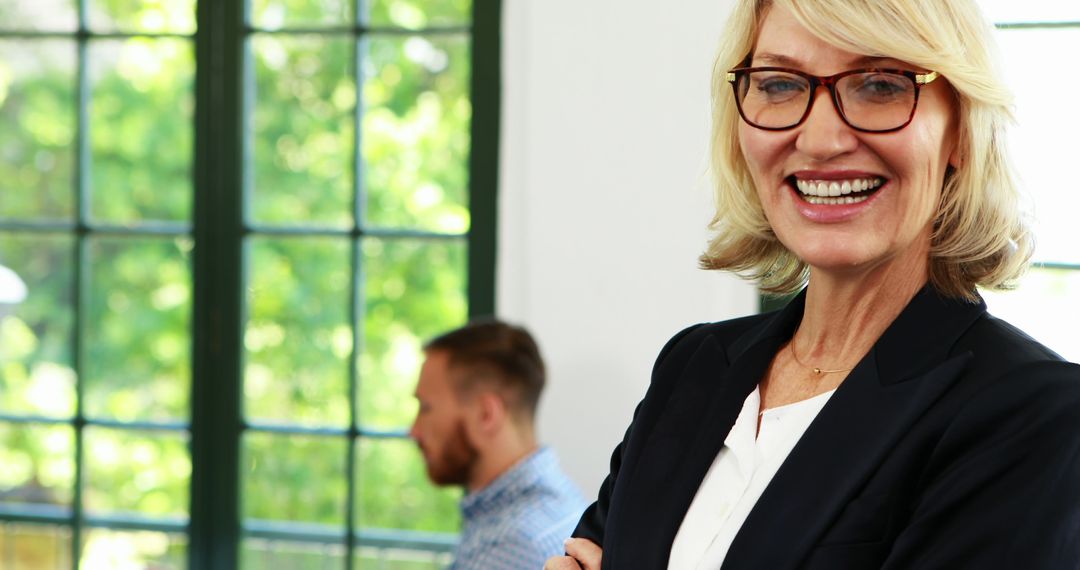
pixel 737 478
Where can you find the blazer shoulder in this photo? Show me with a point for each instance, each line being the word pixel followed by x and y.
pixel 1001 347
pixel 685 343
pixel 1009 366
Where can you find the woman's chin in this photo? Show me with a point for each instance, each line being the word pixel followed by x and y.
pixel 831 258
pixel 865 264
pixel 837 266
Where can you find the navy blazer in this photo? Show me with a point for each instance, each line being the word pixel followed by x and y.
pixel 954 443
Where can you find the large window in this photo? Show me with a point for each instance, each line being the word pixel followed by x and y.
pixel 225 229
pixel 1039 40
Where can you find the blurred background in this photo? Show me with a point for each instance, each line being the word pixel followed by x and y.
pixel 227 227
pixel 234 226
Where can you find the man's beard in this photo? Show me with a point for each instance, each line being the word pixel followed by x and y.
pixel 455 464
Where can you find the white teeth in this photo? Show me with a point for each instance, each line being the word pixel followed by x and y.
pixel 818 200
pixel 835 188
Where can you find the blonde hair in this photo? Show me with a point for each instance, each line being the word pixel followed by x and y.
pixel 979 236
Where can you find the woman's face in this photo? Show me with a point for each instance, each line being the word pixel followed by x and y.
pixel 893 223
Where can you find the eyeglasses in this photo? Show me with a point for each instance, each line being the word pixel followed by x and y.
pixel 868 100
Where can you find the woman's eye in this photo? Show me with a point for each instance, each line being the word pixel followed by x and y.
pixel 883 87
pixel 780 87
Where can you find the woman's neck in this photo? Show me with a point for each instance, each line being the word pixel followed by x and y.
pixel 846 313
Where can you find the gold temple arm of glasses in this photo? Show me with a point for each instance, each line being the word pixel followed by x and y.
pixel 920 78
pixel 924 78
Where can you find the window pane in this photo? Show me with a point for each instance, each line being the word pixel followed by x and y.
pixel 36 375
pixel 1039 142
pixel 415 14
pixel 298 337
pixel 141 129
pixel 305 101
pixel 402 559
pixel 34 547
pixel 138 341
pixel 38 465
pixel 414 290
pixel 1004 11
pixel 394 491
pixel 264 554
pixel 37 128
pixel 294 478
pixel 1037 307
pixel 171 16
pixel 416 132
pixel 42 15
pixel 145 473
pixel 109 549
pixel 274 14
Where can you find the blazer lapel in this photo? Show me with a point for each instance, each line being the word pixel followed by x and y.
pixel 907 370
pixel 688 437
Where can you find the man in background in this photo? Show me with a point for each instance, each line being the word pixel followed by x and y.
pixel 478 391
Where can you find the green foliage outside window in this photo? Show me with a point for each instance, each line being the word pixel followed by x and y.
pixel 136 296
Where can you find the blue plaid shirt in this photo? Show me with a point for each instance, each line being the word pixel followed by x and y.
pixel 520 519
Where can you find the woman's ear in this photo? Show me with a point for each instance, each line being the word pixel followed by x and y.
pixel 955 133
pixel 955 160
pixel 956 154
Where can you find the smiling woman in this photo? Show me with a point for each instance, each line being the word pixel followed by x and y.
pixel 883 418
pixel 889 228
pixel 978 236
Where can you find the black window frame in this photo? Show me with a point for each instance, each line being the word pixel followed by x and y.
pixel 219 229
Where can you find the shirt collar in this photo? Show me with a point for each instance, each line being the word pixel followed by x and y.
pixel 511 484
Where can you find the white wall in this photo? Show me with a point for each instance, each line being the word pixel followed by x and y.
pixel 604 201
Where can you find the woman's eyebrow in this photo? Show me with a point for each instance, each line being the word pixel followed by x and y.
pixel 780 60
pixel 877 61
pixel 776 60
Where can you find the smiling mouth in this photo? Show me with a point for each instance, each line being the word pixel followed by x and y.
pixel 833 192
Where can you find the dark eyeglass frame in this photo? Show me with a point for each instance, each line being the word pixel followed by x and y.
pixel 829 82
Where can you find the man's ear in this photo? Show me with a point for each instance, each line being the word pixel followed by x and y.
pixel 485 416
pixel 492 412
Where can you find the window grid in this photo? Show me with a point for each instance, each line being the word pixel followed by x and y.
pixel 1027 308
pixel 1051 25
pixel 214 430
pixel 1036 25
pixel 83 229
pixel 353 538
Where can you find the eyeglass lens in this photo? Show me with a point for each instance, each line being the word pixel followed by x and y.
pixel 873 101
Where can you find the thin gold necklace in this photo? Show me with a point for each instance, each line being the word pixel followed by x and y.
pixel 819 371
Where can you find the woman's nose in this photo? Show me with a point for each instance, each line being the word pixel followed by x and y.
pixel 824 134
